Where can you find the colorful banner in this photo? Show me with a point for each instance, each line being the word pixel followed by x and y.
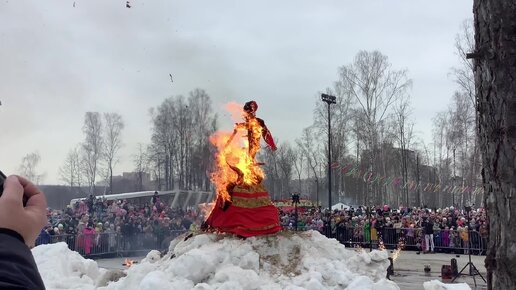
pixel 353 170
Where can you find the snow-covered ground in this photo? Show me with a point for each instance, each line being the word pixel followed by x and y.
pixel 286 260
pixel 438 285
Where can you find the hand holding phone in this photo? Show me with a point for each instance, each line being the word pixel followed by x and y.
pixel 2 180
pixel 23 208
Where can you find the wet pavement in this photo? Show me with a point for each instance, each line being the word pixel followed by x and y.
pixel 409 271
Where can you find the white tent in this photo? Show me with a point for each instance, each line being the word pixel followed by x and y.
pixel 339 206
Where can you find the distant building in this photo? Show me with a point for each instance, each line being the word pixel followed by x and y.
pixel 132 181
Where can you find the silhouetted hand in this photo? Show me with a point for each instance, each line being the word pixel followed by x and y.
pixel 26 220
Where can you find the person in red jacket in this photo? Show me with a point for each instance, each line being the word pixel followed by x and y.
pixel 22 216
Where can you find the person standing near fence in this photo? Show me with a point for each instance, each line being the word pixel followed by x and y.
pixel 89 238
pixel 428 229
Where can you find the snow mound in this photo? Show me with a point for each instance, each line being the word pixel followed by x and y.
pixel 286 260
pixel 305 260
pixel 62 268
pixel 438 285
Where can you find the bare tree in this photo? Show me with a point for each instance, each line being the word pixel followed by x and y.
pixel 92 147
pixel 464 77
pixel 463 73
pixel 28 167
pixel 375 86
pixel 141 163
pixel 404 134
pixel 495 70
pixel 311 151
pixel 181 128
pixel 285 161
pixel 164 140
pixel 272 173
pixel 113 126
pixel 299 160
pixel 204 124
pixel 70 171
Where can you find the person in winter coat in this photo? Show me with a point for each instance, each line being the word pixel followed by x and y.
pixel 89 237
pixel 43 238
pixel 428 229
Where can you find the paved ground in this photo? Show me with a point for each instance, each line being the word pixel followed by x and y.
pixel 408 268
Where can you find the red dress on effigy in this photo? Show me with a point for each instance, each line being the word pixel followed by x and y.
pixel 251 213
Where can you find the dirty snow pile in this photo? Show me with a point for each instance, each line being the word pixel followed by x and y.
pixel 286 260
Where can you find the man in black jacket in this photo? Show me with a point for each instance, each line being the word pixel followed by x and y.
pixel 428 229
pixel 19 227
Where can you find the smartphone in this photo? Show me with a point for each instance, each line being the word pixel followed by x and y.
pixel 2 179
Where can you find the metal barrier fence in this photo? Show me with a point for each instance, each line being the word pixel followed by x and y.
pixel 450 241
pixel 104 244
pixel 412 239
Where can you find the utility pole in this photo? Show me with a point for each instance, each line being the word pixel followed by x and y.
pixel 453 190
pixel 418 190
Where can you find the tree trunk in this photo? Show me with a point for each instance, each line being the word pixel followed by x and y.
pixel 495 81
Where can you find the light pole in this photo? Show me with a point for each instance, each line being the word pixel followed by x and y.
pixel 453 190
pixel 329 100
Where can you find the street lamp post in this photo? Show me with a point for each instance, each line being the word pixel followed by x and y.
pixel 453 190
pixel 329 100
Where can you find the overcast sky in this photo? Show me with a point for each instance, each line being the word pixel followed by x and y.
pixel 58 61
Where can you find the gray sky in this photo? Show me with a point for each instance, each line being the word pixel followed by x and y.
pixel 58 61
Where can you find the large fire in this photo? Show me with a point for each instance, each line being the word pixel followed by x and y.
pixel 235 156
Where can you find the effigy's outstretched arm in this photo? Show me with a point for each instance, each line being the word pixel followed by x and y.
pixel 267 136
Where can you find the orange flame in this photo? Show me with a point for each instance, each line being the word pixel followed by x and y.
pixel 397 252
pixel 381 246
pixel 128 263
pixel 235 152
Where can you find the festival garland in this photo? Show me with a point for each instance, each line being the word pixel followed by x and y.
pixel 353 170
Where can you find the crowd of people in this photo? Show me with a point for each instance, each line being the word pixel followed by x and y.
pixel 97 223
pixel 424 229
pixel 93 224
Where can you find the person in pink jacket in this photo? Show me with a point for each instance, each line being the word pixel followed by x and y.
pixel 89 238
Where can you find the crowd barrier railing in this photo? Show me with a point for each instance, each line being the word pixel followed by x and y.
pixel 104 244
pixel 449 241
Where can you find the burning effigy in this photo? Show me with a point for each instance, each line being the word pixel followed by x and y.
pixel 243 206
